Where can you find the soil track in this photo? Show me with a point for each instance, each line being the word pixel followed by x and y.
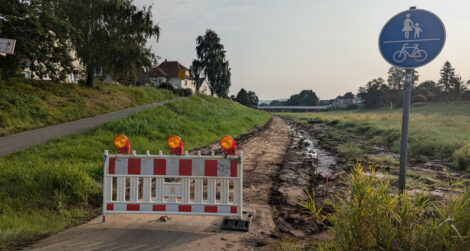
pixel 281 159
pixel 264 153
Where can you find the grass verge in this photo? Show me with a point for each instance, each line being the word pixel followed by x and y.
pixel 436 131
pixel 26 105
pixel 55 185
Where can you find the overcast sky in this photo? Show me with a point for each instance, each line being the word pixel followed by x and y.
pixel 278 48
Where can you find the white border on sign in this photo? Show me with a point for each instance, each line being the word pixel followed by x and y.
pixel 443 43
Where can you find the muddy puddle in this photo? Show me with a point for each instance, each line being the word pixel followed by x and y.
pixel 306 167
pixel 308 147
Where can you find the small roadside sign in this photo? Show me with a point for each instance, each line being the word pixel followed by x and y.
pixel 7 46
pixel 181 74
pixel 412 38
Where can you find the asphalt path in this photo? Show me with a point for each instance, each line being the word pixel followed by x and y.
pixel 16 142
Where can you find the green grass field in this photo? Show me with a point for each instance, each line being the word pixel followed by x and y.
pixel 436 130
pixel 52 186
pixel 25 105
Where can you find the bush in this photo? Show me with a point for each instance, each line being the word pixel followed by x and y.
pixel 462 157
pixel 183 92
pixel 374 218
pixel 166 86
pixel 419 98
pixel 353 107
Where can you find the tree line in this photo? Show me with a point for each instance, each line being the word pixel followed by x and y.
pixel 107 36
pixel 380 92
pixel 304 98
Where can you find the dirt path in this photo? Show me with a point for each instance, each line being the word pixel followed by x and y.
pixel 264 154
pixel 16 142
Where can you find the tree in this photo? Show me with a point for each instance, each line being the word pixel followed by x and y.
pixel 211 55
pixel 253 98
pixel 304 98
pixel 277 103
pixel 42 36
pixel 196 71
pixel 243 98
pixel 112 36
pixel 396 78
pixel 247 98
pixel 450 83
pixel 348 95
pixel 429 89
pixel 374 93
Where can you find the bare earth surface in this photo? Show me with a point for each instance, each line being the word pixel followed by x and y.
pixel 264 154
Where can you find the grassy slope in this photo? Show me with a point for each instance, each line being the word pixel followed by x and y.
pixel 33 104
pixel 51 186
pixel 435 130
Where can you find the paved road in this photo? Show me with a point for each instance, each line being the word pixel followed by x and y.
pixel 16 142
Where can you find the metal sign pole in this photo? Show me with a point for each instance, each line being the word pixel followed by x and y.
pixel 404 129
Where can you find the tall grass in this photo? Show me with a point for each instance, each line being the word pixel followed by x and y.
pixel 373 217
pixel 51 186
pixel 435 130
pixel 26 105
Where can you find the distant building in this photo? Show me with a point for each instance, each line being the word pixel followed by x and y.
pixel 71 77
pixel 168 72
pixel 326 102
pixel 342 102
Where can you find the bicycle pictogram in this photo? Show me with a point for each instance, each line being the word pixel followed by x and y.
pixel 416 53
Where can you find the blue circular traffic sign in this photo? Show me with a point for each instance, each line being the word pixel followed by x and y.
pixel 412 38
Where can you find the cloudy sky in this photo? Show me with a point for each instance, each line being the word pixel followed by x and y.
pixel 278 48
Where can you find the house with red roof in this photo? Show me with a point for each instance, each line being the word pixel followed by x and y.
pixel 168 72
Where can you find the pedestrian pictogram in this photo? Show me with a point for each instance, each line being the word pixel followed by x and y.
pixel 412 38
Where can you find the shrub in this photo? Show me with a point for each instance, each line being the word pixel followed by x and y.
pixel 462 157
pixel 353 107
pixel 183 92
pixel 419 98
pixel 166 86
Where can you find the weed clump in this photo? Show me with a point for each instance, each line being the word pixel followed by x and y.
pixel 375 218
pixel 462 157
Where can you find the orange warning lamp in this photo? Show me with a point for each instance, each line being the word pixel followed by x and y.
pixel 122 144
pixel 176 145
pixel 229 145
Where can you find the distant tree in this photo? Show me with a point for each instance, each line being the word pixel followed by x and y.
pixel 304 98
pixel 348 95
pixel 42 36
pixel 211 56
pixel 263 104
pixel 374 93
pixel 396 78
pixel 247 98
pixel 450 84
pixel 196 70
pixel 243 98
pixel 253 98
pixel 112 36
pixel 277 103
pixel 428 88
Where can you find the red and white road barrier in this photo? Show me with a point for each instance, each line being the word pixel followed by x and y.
pixel 197 185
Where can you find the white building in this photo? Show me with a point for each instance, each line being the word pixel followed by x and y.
pixel 168 72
